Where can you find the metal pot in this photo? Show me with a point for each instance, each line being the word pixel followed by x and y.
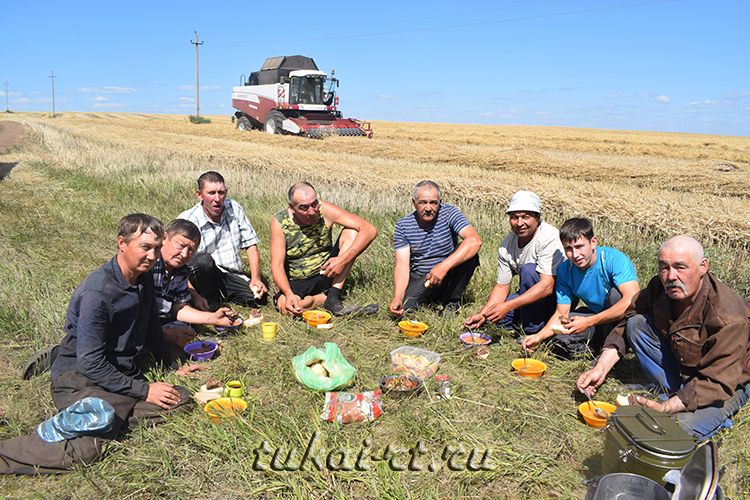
pixel 645 442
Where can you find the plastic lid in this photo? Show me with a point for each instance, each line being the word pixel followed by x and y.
pixel 441 378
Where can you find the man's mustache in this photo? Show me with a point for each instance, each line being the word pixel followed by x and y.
pixel 676 283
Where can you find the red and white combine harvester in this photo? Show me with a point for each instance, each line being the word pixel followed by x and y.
pixel 290 95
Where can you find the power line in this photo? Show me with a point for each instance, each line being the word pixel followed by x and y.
pixel 197 87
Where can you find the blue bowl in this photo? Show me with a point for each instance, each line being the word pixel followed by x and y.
pixel 201 350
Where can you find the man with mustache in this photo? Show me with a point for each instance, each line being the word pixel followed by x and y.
pixel 533 252
pixel 691 334
pixel 173 296
pixel 111 322
pixel 602 277
pixel 216 269
pixel 432 267
pixel 307 266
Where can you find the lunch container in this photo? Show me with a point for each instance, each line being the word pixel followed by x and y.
pixel 645 442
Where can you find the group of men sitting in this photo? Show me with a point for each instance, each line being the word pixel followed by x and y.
pixel 690 332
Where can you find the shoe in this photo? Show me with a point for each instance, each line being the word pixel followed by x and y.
pixel 450 309
pixel 336 308
pixel 369 310
pixel 40 362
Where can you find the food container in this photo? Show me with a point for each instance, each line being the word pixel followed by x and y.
pixel 527 367
pixel 224 408
pixel 315 318
pixel 236 324
pixel 645 442
pixel 473 339
pixel 412 328
pixel 202 350
pixel 421 363
pixel 587 411
pixel 403 385
pixel 624 485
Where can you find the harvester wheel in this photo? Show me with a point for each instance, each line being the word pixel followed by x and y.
pixel 273 122
pixel 244 124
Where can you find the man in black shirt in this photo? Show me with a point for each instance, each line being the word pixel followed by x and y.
pixel 111 320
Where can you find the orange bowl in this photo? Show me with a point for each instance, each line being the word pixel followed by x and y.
pixel 218 409
pixel 315 317
pixel 534 368
pixel 412 328
pixel 586 409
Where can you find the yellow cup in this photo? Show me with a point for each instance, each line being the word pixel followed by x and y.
pixel 233 389
pixel 268 331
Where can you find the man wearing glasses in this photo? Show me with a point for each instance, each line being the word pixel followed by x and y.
pixel 309 269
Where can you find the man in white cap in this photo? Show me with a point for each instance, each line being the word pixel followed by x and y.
pixel 533 251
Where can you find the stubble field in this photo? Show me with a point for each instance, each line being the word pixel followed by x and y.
pixel 76 175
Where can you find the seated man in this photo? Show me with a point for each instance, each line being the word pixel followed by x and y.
pixel 431 266
pixel 691 334
pixel 173 296
pixel 216 270
pixel 111 319
pixel 602 277
pixel 307 267
pixel 532 251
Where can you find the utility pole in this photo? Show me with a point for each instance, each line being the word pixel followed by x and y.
pixel 52 76
pixel 7 109
pixel 197 94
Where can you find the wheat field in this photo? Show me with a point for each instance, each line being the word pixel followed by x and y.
pixel 77 174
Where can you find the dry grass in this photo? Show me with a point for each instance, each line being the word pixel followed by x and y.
pixel 83 171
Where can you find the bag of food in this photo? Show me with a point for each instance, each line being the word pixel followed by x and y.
pixel 323 370
pixel 346 407
pixel 415 361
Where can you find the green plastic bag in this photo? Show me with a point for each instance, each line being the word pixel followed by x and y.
pixel 340 372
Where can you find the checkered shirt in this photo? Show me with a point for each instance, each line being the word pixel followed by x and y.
pixel 169 288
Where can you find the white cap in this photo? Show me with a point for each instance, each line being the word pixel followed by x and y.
pixel 524 201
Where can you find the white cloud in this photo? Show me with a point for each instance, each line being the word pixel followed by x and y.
pixel 109 105
pixel 663 99
pixel 706 103
pixel 544 113
pixel 203 87
pixel 187 99
pixel 186 105
pixel 106 90
pixel 100 98
pixel 387 97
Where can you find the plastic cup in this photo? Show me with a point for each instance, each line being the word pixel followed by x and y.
pixel 233 389
pixel 268 331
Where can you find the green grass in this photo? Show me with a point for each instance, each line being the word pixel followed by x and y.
pixel 57 223
pixel 198 120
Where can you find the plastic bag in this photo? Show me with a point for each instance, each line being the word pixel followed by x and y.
pixel 346 407
pixel 323 370
pixel 415 361
pixel 86 416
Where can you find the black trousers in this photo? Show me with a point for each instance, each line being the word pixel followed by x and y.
pixel 592 339
pixel 30 454
pixel 450 290
pixel 219 287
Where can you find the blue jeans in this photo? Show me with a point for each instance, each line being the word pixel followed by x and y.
pixel 533 316
pixel 655 355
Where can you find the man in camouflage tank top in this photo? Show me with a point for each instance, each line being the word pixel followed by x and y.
pixel 308 268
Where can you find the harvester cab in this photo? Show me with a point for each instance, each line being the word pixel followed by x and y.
pixel 289 94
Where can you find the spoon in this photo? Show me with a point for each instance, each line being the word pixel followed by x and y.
pixel 599 412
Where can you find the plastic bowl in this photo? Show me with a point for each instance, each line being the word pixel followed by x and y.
pixel 534 368
pixel 412 328
pixel 398 392
pixel 202 350
pixel 473 339
pixel 237 323
pixel 224 408
pixel 586 410
pixel 315 318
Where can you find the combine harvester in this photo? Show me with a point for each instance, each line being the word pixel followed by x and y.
pixel 290 95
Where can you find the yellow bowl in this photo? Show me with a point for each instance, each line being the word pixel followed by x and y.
pixel 412 328
pixel 534 368
pixel 224 408
pixel 315 318
pixel 586 409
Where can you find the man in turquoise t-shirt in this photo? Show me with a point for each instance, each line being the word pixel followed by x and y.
pixel 603 278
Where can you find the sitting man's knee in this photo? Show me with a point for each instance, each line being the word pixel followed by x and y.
pixel 202 262
pixel 636 326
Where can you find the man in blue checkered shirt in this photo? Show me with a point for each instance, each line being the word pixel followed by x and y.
pixel 216 270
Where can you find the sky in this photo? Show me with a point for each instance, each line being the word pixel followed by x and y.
pixel 661 65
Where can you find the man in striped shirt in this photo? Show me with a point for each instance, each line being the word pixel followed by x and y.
pixel 432 267
pixel 216 269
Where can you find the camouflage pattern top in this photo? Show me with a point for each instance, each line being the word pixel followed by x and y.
pixel 307 247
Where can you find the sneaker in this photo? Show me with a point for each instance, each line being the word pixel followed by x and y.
pixel 450 309
pixel 40 362
pixel 336 308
